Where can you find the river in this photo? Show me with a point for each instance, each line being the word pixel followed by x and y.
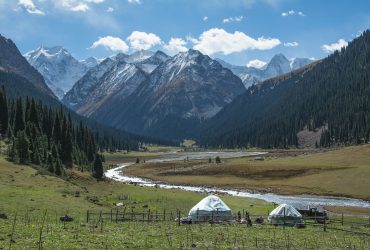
pixel 302 200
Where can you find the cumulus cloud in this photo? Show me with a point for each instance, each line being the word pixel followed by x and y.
pixel 329 48
pixel 205 18
pixel 115 44
pixel 30 7
pixel 110 9
pixel 134 1
pixel 293 13
pixel 233 19
pixel 220 41
pixel 291 44
pixel 256 63
pixel 142 40
pixel 175 45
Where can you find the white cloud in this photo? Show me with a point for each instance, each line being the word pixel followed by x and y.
pixel 73 5
pixel 329 48
pixel 78 5
pixel 95 1
pixel 293 13
pixel 81 7
pixel 175 45
pixel 205 18
pixel 192 39
pixel 115 44
pixel 291 44
pixel 30 7
pixel 110 9
pixel 142 40
pixel 134 1
pixel 233 19
pixel 256 64
pixel 220 41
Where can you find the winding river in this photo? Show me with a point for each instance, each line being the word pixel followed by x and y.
pixel 302 200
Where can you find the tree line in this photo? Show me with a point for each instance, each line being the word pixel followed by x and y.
pixel 40 135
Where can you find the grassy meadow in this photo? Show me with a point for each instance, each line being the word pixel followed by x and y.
pixel 341 172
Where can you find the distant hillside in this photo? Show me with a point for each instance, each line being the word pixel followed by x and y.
pixel 333 95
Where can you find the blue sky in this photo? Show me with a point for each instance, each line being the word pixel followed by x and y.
pixel 238 31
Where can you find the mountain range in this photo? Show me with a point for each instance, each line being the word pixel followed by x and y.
pixel 150 92
pixel 155 94
pixel 278 65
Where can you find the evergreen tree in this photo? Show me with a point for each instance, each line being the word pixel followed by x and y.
pixel 98 167
pixel 19 117
pixel 50 163
pixel 58 168
pixel 22 147
pixel 3 112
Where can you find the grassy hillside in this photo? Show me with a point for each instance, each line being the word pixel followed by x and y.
pixel 342 172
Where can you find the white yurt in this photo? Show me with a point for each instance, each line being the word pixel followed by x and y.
pixel 285 214
pixel 211 208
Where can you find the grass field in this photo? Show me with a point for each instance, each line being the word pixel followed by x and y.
pixel 342 172
pixel 34 202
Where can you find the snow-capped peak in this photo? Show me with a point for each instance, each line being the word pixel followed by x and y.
pixel 139 56
pixel 91 62
pixel 58 67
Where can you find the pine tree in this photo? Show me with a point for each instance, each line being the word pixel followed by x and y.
pixel 3 112
pixel 58 168
pixel 98 167
pixel 19 117
pixel 22 147
pixel 50 163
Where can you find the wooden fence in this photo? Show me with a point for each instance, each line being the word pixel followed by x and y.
pixel 131 215
pixel 149 216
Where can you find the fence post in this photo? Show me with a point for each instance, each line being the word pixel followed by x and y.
pixel 116 215
pixel 87 216
pixel 111 215
pixel 124 213
pixel 256 242
pixel 324 223
pixel 148 216
pixel 342 219
pixel 284 219
pixel 164 214
pixel 179 214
